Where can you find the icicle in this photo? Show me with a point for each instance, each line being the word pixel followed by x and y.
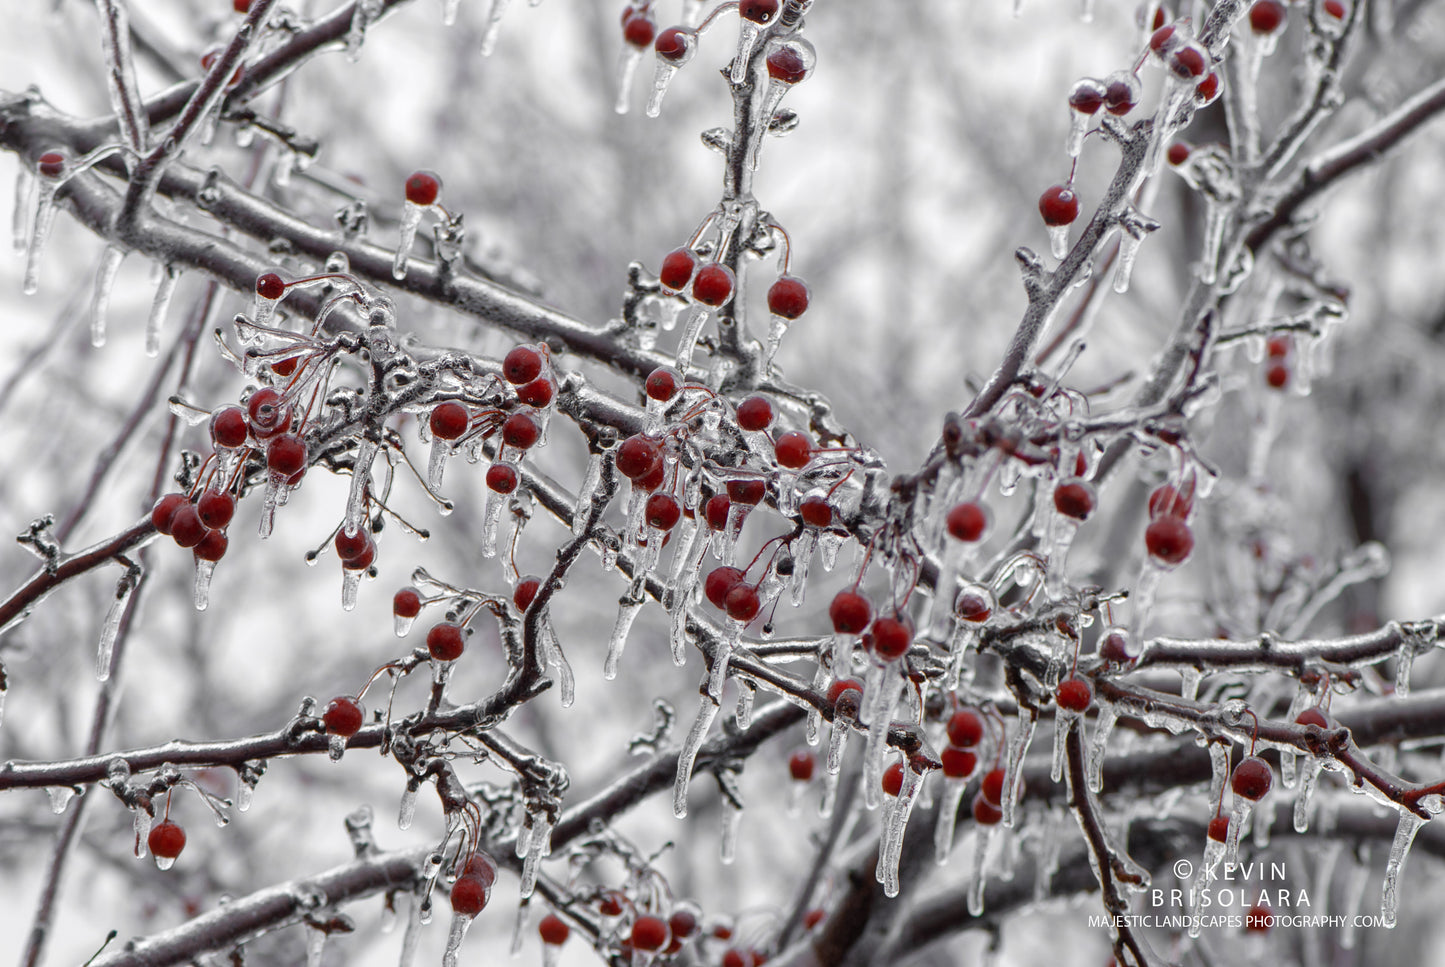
pixel 454 939
pixel 539 848
pixel 19 215
pixel 626 72
pixel 743 711
pixel 1078 126
pixel 890 851
pixel 829 543
pixel 732 818
pixel 360 476
pixel 100 303
pixel 494 27
pixel 52 167
pixel 1058 242
pixel 948 805
pixel 983 835
pixel 1142 598
pixel 362 16
pixel 660 80
pixel 627 609
pixel 245 791
pixel 141 825
pixel 164 290
pixel 1216 215
pixel 706 712
pixel 777 328
pixel 60 797
pixel 717 674
pixel 1018 747
pixel 407 811
pixel 519 926
pixel 1404 659
pixel 587 493
pixel 880 693
pixel 747 38
pixel 411 214
pixel 1213 852
pixel 1399 851
pixel 1064 720
pixel 691 329
pixel 315 946
pixel 118 605
pixel 1219 763
pixel 1128 254
pixel 449 12
pixel 201 589
pixel 552 651
pixel 1047 851
pixel 1237 818
pixel 1309 776
pixel 1094 764
pixel 491 517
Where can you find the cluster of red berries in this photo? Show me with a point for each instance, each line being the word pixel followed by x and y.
pixel 1276 369
pixel 473 888
pixel 1168 537
pixel 965 732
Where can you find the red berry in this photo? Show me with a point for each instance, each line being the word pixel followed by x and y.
pixel 682 924
pixel 1059 206
pixel 1087 96
pixel 755 413
pixel 1122 93
pixel 554 930
pixel 639 30
pixel 649 933
pixel 742 603
pixel 663 383
pixel 992 787
pixel 423 187
pixel 986 813
pixel 212 546
pixel 240 6
pixel 406 603
pixel 787 64
pixel 1334 8
pixel 1075 499
pixel 893 779
pixel 1313 715
pixel 788 297
pixel 850 613
pixel 1219 828
pixel 717 510
pixel 1162 39
pixel 801 765
pixel 525 591
pixel 285 367
pixel 1166 501
pixel 719 582
pixel 270 286
pixel 469 896
pixel 1251 778
pixel 1188 60
pixel 1277 347
pixel 1276 375
pixel 662 512
pixel 343 717
pixel 1169 540
pixel 734 957
pixel 957 763
pixel 758 11
pixel 229 427
pixel 974 604
pixel 1115 646
pixel 1178 153
pixel 638 455
pixel 186 526
pixel 1257 920
pixel 51 164
pixel 522 365
pixel 965 729
pixel 747 492
pixel 967 521
pixel 286 454
pixel 675 44
pixel 1074 694
pixel 813 917
pixel 816 511
pixel 166 840
pixel 445 641
pixel 449 420
pixel 268 412
pixel 482 867
pixel 677 269
pixel 713 285
pixel 891 637
pixel 216 508
pixel 502 478
pixel 611 904
pixel 351 545
pixel 793 450
pixel 654 478
pixel 165 509
pixel 1207 90
pixel 1266 16
pixel 521 431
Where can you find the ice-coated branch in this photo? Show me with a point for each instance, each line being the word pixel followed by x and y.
pixel 120 74
pixel 1266 652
